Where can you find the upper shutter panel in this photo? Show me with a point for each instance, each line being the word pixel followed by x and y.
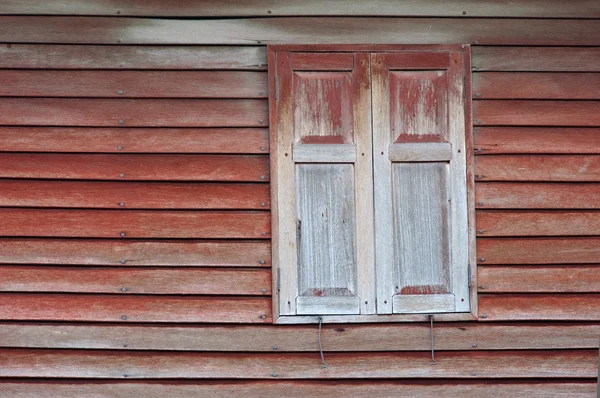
pixel 323 183
pixel 420 182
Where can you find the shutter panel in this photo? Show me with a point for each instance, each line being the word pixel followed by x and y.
pixel 322 184
pixel 421 229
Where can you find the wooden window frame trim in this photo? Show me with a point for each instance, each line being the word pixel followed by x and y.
pixel 472 315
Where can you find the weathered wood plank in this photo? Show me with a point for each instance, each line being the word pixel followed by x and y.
pixel 519 279
pixel 508 195
pixel 252 31
pixel 523 85
pixel 133 195
pixel 335 338
pixel 532 59
pixel 539 251
pixel 135 167
pixel 537 168
pixel 135 224
pixel 254 8
pixel 209 281
pixel 541 140
pixel 114 308
pixel 537 223
pixel 35 56
pixel 295 389
pixel 536 113
pixel 135 253
pixel 147 365
pixel 134 112
pixel 146 140
pixel 565 307
pixel 133 84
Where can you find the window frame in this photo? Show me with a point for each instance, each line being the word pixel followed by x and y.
pixel 364 318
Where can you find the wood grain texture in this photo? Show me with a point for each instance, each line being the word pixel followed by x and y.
pixel 538 251
pixel 36 56
pixel 536 279
pixel 133 195
pixel 533 59
pixel 135 167
pixel 537 168
pixel 524 85
pixel 540 140
pixel 136 253
pixel 565 307
pixel 149 365
pixel 133 84
pixel 326 242
pixel 135 224
pixel 115 308
pixel 145 140
pixel 254 8
pixel 508 195
pixel 536 113
pixel 252 31
pixel 295 389
pixel 134 112
pixel 301 338
pixel 207 281
pixel 538 223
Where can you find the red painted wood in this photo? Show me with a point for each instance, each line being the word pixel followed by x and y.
pixel 144 140
pixel 241 253
pixel 536 279
pixel 150 365
pixel 135 167
pixel 508 195
pixel 536 113
pixel 538 168
pixel 418 60
pixel 133 112
pixel 526 85
pixel 538 223
pixel 565 307
pixel 208 281
pixel 538 251
pixel 532 59
pixel 322 61
pixel 133 84
pixel 296 389
pixel 133 195
pixel 135 224
pixel 50 56
pixel 390 337
pixel 539 140
pixel 111 308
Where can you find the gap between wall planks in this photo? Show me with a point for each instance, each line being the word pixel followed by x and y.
pixel 574 364
pixel 449 336
pixel 296 389
pixel 258 8
pixel 344 30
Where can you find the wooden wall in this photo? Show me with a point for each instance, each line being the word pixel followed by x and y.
pixel 134 203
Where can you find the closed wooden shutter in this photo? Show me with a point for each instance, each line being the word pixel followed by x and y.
pixel 420 182
pixel 322 184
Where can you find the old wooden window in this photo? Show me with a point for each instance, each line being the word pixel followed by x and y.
pixel 369 182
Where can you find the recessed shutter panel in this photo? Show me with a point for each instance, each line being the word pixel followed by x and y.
pixel 323 184
pixel 420 182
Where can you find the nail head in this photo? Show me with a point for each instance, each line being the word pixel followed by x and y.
pixel 123 317
pixel 123 289
pixel 122 233
pixel 264 290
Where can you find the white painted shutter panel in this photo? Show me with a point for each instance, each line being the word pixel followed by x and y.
pixel 322 190
pixel 421 226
